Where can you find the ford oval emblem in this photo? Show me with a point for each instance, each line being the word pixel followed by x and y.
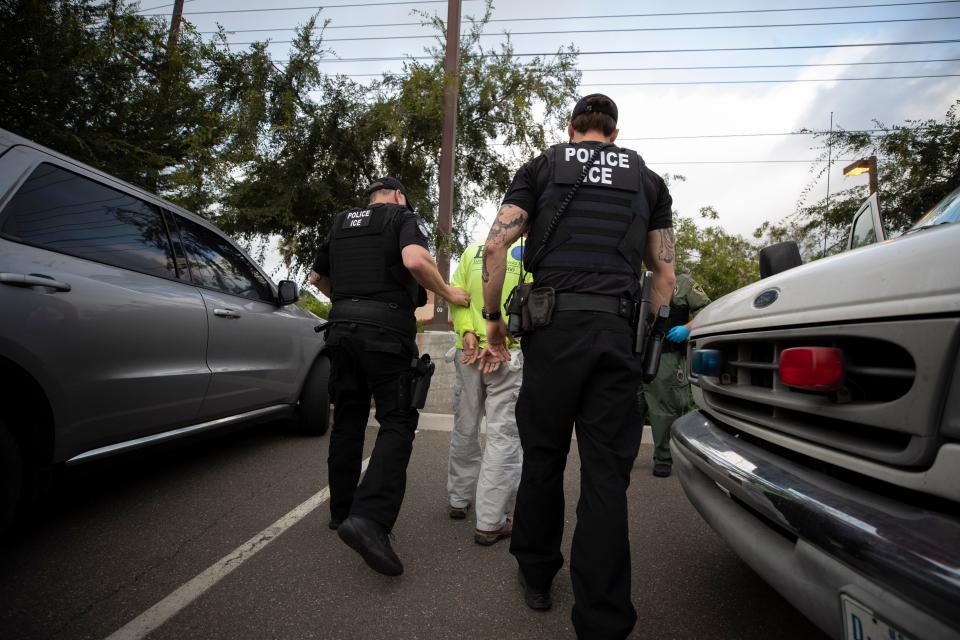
pixel 766 298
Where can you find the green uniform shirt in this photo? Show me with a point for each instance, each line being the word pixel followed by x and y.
pixel 469 276
pixel 687 293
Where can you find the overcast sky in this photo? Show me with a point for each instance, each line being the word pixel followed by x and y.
pixel 719 171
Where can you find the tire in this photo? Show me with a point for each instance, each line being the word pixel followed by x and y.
pixel 314 413
pixel 11 477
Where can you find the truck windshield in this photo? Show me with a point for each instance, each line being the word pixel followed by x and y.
pixel 946 212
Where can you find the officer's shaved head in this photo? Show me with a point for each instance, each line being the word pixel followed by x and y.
pixel 381 195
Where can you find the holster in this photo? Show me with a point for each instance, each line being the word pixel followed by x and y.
pixel 423 369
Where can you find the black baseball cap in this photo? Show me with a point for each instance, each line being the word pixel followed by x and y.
pixel 391 183
pixel 596 103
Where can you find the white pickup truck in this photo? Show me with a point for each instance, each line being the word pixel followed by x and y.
pixel 825 448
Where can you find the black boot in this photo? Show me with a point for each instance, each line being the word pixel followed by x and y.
pixel 372 542
pixel 539 599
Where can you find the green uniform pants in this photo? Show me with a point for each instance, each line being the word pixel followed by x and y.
pixel 664 400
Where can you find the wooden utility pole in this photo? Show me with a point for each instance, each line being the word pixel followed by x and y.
pixel 448 149
pixel 174 28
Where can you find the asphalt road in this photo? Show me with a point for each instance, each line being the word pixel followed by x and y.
pixel 116 538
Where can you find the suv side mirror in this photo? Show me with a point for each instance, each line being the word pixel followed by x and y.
pixel 287 292
pixel 779 257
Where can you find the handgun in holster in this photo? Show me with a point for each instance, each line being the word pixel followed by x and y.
pixel 651 331
pixel 423 369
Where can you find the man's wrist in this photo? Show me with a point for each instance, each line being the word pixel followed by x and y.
pixel 490 316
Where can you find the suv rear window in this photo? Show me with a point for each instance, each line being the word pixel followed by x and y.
pixel 65 212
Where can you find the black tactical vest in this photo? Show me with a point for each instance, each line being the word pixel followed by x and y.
pixel 365 258
pixel 604 228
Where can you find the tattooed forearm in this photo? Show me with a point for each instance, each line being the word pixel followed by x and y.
pixel 508 226
pixel 510 223
pixel 667 251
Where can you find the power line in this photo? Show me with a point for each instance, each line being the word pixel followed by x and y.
pixel 323 6
pixel 622 30
pixel 588 17
pixel 641 51
pixel 771 66
pixel 651 162
pixel 711 67
pixel 699 82
pixel 746 135
pixel 162 6
pixel 732 11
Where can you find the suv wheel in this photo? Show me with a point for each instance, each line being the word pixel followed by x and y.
pixel 314 418
pixel 11 477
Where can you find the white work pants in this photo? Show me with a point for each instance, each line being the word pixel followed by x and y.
pixel 487 477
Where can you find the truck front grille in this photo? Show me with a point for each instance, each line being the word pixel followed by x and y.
pixel 887 409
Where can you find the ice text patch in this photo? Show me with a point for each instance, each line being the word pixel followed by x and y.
pixel 355 219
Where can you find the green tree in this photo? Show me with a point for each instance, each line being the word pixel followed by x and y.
pixel 720 261
pixel 318 153
pixel 918 164
pixel 309 302
pixel 93 80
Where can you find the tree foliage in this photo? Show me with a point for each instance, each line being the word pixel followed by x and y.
pixel 320 152
pixel 719 261
pixel 264 148
pixel 918 163
pixel 94 81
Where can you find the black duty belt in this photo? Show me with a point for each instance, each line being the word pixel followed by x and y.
pixel 623 307
pixel 387 315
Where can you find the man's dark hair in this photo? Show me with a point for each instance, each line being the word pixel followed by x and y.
pixel 594 122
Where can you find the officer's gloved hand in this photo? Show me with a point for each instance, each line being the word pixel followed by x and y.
pixel 678 334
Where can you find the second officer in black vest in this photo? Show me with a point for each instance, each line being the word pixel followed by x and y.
pixel 373 266
pixel 579 367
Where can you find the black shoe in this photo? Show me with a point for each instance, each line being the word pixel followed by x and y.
pixel 335 523
pixel 537 599
pixel 372 542
pixel 662 469
pixel 458 513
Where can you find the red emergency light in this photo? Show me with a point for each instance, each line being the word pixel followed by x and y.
pixel 813 368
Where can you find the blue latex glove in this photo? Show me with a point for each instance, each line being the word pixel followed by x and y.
pixel 678 334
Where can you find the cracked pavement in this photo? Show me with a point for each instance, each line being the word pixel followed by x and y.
pixel 114 538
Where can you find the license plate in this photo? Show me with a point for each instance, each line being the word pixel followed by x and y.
pixel 862 624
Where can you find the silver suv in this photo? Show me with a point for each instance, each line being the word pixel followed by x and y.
pixel 126 321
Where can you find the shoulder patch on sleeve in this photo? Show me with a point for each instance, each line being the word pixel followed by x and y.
pixel 423 228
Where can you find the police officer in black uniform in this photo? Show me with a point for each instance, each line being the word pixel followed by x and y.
pixel 580 369
pixel 373 265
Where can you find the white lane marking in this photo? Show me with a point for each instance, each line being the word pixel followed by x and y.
pixel 170 606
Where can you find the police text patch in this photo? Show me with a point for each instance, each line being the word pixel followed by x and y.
pixel 355 219
pixel 613 168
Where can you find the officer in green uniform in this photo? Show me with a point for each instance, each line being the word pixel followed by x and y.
pixel 668 396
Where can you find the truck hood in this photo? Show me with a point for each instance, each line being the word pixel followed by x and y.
pixel 915 274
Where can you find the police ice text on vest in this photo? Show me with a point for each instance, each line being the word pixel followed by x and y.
pixel 601 172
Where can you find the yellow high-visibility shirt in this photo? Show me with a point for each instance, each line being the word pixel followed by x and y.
pixel 469 276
